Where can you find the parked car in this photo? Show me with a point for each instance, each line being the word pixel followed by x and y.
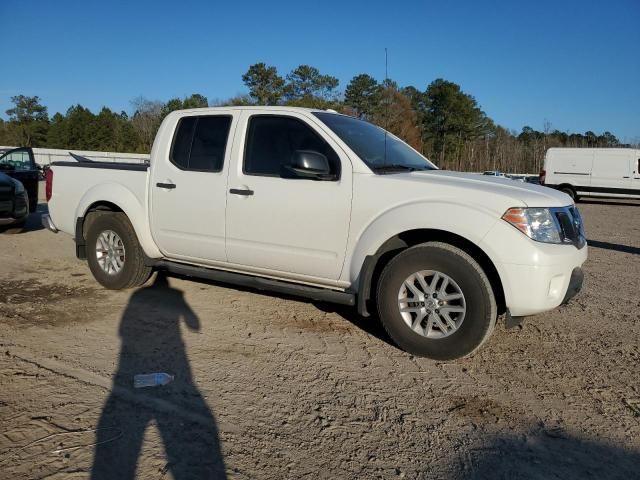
pixel 534 179
pixel 14 203
pixel 19 163
pixel 329 207
pixel 517 178
pixel 494 173
pixel 593 172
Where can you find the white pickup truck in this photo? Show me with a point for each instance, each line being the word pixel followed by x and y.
pixel 326 206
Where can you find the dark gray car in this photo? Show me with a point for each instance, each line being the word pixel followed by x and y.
pixel 14 202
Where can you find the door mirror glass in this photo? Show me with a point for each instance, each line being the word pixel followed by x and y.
pixel 309 164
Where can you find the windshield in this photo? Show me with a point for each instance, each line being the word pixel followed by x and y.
pixel 380 150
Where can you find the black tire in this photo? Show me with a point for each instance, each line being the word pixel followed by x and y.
pixel 134 272
pixel 571 192
pixel 481 311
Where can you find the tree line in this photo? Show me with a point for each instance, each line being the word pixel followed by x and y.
pixel 442 121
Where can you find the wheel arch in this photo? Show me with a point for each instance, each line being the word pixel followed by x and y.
pixel 374 264
pixel 113 198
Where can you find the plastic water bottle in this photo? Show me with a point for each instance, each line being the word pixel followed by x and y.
pixel 152 380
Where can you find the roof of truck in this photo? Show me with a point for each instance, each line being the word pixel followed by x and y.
pixel 257 107
pixel 587 149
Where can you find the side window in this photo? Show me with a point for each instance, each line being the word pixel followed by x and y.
pixel 200 143
pixel 272 140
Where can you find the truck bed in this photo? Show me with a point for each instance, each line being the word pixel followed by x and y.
pixel 76 185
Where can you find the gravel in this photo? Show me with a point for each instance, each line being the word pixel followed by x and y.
pixel 272 387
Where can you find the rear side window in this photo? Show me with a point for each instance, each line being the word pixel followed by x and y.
pixel 272 140
pixel 200 143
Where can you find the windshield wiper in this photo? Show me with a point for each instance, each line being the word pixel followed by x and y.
pixel 396 167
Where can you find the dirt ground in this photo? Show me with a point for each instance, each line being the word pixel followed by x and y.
pixel 268 387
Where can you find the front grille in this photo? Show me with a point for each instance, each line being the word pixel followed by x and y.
pixel 20 205
pixel 571 227
pixel 6 193
pixel 6 208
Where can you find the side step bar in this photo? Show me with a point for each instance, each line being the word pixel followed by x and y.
pixel 259 283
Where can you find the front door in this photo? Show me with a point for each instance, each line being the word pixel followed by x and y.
pixel 188 189
pixel 283 226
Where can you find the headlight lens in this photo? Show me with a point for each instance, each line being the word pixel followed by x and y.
pixel 538 224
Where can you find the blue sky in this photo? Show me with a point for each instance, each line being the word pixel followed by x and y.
pixel 573 63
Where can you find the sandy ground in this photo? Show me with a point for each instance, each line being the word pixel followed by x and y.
pixel 272 387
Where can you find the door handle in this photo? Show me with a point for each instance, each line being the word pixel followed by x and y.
pixel 166 185
pixel 625 177
pixel 238 191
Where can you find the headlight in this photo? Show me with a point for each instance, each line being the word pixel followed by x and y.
pixel 19 186
pixel 535 223
pixel 548 225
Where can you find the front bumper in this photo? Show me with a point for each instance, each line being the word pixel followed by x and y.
pixel 18 210
pixel 11 220
pixel 530 289
pixel 575 284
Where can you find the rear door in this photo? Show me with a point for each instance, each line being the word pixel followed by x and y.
pixel 284 226
pixel 611 171
pixel 188 188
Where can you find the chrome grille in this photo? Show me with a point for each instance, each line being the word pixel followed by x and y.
pixel 570 225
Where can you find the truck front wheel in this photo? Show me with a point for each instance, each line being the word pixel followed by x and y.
pixel 114 253
pixel 435 301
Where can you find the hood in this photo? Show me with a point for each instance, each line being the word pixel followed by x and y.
pixel 512 192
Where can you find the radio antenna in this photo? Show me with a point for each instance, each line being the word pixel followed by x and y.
pixel 386 101
pixel 386 65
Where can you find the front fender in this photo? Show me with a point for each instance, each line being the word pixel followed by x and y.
pixel 132 206
pixel 471 222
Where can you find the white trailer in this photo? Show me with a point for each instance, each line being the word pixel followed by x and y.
pixel 593 172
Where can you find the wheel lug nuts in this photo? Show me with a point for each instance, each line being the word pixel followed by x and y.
pixel 437 311
pixel 435 295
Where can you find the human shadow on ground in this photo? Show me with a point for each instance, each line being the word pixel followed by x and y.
pixel 150 332
pixel 548 454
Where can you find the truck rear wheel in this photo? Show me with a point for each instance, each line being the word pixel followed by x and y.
pixel 435 301
pixel 114 254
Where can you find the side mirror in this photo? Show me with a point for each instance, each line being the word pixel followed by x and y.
pixel 309 164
